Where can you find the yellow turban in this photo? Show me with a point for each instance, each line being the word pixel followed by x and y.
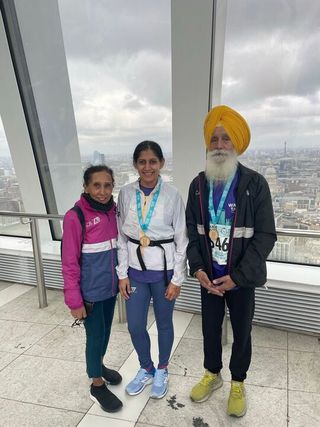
pixel 234 124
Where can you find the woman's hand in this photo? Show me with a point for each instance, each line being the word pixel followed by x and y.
pixel 172 291
pixel 79 313
pixel 125 287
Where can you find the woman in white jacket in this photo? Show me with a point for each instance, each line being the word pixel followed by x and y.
pixel 152 246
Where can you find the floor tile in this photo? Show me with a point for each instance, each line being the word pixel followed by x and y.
pixel 96 421
pixel 18 414
pixel 56 383
pixel 268 367
pixel 25 308
pixel 304 409
pixel 300 342
pixel 119 349
pixel 147 425
pixel 266 406
pixel 269 337
pixel 17 337
pixel 62 342
pixel 10 293
pixel 6 358
pixel 187 359
pixel 4 285
pixel 304 371
pixel 194 329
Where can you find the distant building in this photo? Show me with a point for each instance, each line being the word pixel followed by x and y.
pixel 283 249
pixel 98 158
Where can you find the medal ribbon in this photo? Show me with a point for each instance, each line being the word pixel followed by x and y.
pixel 144 225
pixel 215 216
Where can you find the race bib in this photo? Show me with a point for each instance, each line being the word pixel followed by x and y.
pixel 220 245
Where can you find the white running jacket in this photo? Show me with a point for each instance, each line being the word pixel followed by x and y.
pixel 168 221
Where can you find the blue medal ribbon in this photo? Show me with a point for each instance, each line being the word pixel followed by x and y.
pixel 215 216
pixel 144 225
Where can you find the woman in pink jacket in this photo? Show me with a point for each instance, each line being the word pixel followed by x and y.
pixel 89 258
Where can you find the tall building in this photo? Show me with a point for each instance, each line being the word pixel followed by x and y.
pixel 98 158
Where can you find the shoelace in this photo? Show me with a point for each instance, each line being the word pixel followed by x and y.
pixel 207 379
pixel 160 377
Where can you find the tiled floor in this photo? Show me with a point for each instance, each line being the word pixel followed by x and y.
pixel 43 380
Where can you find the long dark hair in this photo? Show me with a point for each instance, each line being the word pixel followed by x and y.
pixel 148 145
pixel 96 168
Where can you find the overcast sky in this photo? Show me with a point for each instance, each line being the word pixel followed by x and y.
pixel 272 69
pixel 119 61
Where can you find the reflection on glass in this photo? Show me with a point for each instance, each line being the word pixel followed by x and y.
pixel 271 76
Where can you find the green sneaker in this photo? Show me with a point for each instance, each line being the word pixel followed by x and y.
pixel 208 383
pixel 237 405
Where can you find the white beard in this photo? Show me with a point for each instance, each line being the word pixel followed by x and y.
pixel 220 164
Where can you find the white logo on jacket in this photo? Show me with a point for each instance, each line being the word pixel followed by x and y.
pixel 93 221
pixel 232 206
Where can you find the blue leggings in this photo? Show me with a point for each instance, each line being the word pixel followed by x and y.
pixel 98 327
pixel 137 312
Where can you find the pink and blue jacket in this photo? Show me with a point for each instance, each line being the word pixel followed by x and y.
pixel 88 265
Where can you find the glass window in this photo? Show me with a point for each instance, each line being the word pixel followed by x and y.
pixel 119 64
pixel 271 75
pixel 10 196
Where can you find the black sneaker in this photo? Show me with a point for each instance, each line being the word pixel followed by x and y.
pixel 103 396
pixel 111 376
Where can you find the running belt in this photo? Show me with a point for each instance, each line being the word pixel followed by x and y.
pixel 158 243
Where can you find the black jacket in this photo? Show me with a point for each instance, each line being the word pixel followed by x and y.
pixel 253 231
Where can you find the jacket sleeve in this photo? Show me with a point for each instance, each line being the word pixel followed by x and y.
pixel 193 250
pixel 122 243
pixel 180 240
pixel 254 259
pixel 71 253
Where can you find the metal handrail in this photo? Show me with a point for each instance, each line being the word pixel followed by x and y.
pixel 31 215
pixel 37 255
pixel 298 233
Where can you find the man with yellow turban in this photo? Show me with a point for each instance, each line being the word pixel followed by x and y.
pixel 231 232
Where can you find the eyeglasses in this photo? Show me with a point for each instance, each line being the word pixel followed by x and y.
pixel 77 322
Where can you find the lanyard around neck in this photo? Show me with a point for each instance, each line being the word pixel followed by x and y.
pixel 145 224
pixel 215 215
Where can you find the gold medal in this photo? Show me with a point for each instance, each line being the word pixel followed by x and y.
pixel 213 234
pixel 144 241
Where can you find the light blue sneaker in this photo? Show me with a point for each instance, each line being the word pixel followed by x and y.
pixel 160 384
pixel 139 382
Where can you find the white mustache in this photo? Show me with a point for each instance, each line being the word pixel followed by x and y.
pixel 216 153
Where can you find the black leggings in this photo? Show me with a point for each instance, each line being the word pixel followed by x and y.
pixel 241 309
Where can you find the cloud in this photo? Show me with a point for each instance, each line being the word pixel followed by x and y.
pixel 271 71
pixel 99 29
pixel 111 109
